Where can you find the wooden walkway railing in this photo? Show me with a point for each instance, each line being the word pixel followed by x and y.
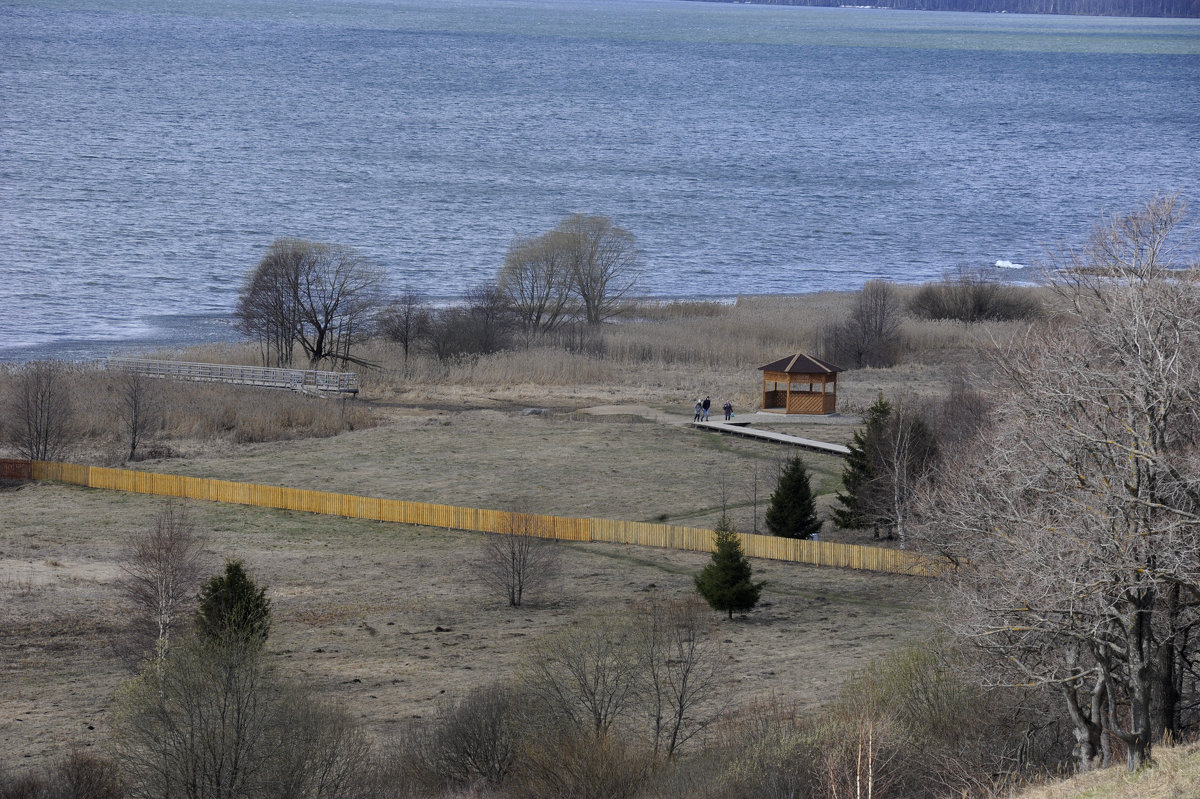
pixel 265 376
pixel 768 435
pixel 564 528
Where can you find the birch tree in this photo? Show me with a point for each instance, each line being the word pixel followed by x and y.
pixel 160 578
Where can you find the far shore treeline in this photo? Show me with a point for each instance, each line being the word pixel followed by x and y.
pixel 1090 8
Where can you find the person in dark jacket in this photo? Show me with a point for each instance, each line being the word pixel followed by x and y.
pixel 707 405
pixel 728 408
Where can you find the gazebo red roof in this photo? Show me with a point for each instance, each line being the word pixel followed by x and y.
pixel 801 364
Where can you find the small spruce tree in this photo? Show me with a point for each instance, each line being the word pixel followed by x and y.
pixel 792 512
pixel 233 607
pixel 725 582
pixel 861 466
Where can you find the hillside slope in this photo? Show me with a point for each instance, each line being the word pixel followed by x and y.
pixel 1174 775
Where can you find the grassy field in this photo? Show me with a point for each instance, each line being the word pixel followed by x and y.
pixel 358 607
pixel 606 466
pixel 389 620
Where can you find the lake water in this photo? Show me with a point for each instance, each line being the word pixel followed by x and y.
pixel 150 150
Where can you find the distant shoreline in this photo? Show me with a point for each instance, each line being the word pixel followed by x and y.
pixel 180 331
pixel 1149 9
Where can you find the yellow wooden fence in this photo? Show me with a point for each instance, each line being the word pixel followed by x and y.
pixel 563 528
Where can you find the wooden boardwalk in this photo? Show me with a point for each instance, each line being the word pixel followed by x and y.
pixel 306 380
pixel 744 429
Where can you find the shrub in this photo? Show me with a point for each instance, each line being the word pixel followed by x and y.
pixel 232 606
pixel 583 765
pixel 475 741
pixel 870 333
pixel 77 776
pixel 969 297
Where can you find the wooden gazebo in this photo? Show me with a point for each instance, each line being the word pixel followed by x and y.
pixel 800 384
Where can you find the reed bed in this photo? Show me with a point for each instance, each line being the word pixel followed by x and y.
pixel 179 411
pixel 661 352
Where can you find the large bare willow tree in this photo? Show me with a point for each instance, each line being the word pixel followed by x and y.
pixel 1076 523
pixel 584 268
pixel 322 297
pixel 536 281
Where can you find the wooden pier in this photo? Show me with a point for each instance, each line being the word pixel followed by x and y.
pixel 305 380
pixel 743 429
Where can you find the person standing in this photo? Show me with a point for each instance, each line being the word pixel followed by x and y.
pixel 728 408
pixel 699 411
pixel 707 404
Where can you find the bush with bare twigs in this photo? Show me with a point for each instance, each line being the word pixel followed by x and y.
pixel 79 775
pixel 39 418
pixel 970 297
pixel 519 563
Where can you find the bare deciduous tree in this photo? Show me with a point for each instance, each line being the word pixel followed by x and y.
pixel 320 296
pixel 604 264
pixel 318 752
pixel 905 453
pixel 680 661
pixel 138 404
pixel 267 308
pixel 405 321
pixel 587 674
pixel 1076 524
pixel 477 740
pixel 889 460
pixel 861 745
pixel 519 562
pixel 39 418
pixel 487 323
pixel 214 720
pixel 199 726
pixel 536 280
pixel 870 334
pixel 160 577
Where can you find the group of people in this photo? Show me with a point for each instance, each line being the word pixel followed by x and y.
pixel 703 406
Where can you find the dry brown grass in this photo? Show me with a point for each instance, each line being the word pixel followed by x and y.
pixel 357 608
pixel 358 603
pixel 1174 774
pixel 195 412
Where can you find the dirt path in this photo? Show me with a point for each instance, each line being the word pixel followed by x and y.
pixel 644 411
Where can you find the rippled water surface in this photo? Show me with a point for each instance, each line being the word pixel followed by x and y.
pixel 151 150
